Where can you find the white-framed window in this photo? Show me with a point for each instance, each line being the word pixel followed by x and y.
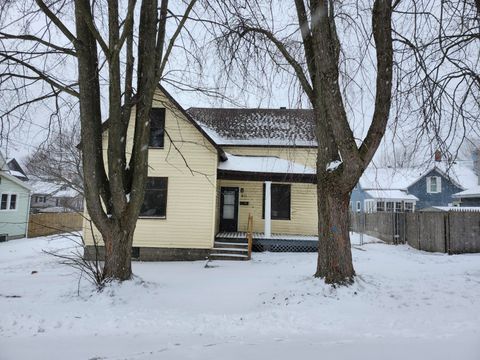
pixel 434 184
pixel 398 206
pixel 369 206
pixel 389 205
pixel 380 206
pixel 359 206
pixel 8 202
pixel 408 206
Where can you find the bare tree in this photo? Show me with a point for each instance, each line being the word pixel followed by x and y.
pixel 120 44
pixel 58 160
pixel 310 49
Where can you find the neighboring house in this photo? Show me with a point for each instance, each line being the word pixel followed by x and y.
pixel 14 204
pixel 51 197
pixel 469 197
pixel 209 169
pixel 407 189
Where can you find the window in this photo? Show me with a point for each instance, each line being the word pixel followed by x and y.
pixel 389 206
pixel 380 206
pixel 3 204
pixel 13 202
pixel 155 201
pixel 369 206
pixel 398 207
pixel 8 202
pixel 408 207
pixel 280 201
pixel 157 128
pixel 434 184
pixel 359 206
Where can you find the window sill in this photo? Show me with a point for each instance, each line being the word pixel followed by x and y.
pixel 156 147
pixel 153 217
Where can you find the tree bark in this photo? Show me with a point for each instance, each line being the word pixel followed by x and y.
pixel 118 244
pixel 335 257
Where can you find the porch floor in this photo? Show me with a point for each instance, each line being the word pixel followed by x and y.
pixel 261 236
pixel 276 242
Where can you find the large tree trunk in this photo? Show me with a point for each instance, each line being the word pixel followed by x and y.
pixel 335 257
pixel 118 244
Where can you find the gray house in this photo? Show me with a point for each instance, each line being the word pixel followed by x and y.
pixel 407 189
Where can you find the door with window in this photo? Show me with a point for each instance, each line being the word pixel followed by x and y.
pixel 229 209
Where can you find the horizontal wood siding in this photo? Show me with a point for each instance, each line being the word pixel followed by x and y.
pixel 14 222
pixel 189 162
pixel 306 156
pixel 303 219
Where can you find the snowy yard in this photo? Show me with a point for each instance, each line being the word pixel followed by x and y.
pixel 405 304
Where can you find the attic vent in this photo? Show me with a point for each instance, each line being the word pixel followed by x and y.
pixel 3 237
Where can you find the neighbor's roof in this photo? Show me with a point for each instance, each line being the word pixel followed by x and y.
pixel 50 188
pixel 263 164
pixel 460 173
pixel 257 127
pixel 452 208
pixel 391 195
pixel 469 193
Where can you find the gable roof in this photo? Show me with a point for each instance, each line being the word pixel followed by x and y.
pixel 462 175
pixel 257 127
pixel 16 170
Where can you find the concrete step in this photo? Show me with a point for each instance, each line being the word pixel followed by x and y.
pixel 237 251
pixel 221 244
pixel 228 256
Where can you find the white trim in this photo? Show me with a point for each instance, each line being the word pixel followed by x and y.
pixel 9 201
pixel 268 209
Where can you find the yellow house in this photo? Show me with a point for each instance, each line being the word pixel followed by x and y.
pixel 210 168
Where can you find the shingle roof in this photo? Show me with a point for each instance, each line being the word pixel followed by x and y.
pixel 264 127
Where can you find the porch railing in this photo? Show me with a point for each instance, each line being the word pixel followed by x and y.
pixel 250 235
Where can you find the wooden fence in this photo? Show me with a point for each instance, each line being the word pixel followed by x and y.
pixel 449 232
pixel 53 223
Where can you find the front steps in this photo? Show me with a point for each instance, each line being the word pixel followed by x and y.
pixel 229 249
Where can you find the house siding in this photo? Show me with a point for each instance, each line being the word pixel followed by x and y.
pixel 189 162
pixel 419 189
pixel 358 194
pixel 14 222
pixel 303 216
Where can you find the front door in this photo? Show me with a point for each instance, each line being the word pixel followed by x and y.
pixel 229 209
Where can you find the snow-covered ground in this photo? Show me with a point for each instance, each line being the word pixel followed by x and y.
pixel 405 304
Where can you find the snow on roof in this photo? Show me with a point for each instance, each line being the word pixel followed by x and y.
pixel 17 174
pixel 388 178
pixel 472 192
pixel 55 209
pixel 452 208
pixel 375 178
pixel 43 187
pixel 263 164
pixel 391 195
pixel 276 127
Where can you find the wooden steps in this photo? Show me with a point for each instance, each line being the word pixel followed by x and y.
pixel 229 249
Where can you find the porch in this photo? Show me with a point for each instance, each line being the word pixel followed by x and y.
pixel 274 242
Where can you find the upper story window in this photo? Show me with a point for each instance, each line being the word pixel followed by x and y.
pixel 155 201
pixel 434 184
pixel 280 200
pixel 157 128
